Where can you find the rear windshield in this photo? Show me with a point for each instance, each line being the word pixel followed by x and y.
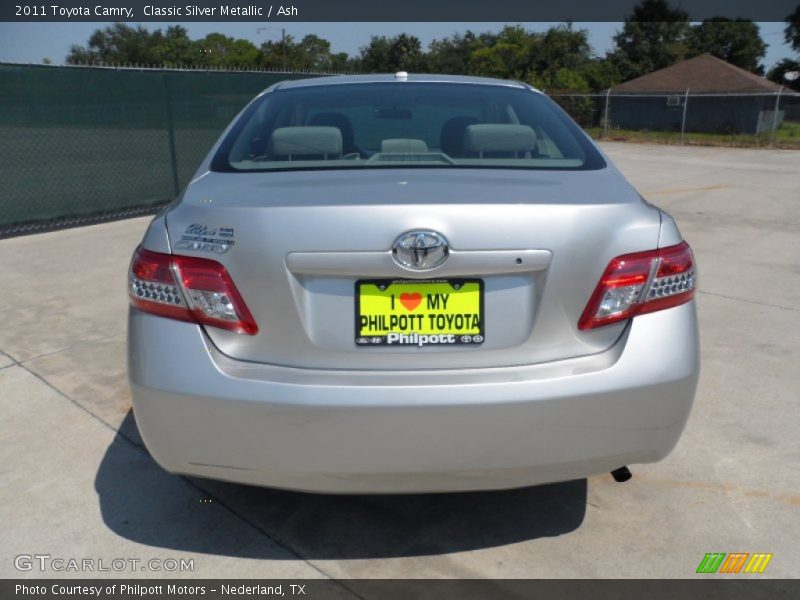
pixel 404 125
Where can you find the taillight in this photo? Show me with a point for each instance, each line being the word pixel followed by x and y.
pixel 642 282
pixel 189 289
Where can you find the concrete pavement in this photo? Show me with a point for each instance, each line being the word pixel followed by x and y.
pixel 76 481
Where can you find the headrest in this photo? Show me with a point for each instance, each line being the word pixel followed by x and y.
pixel 499 138
pixel 338 120
pixel 303 141
pixel 451 140
pixel 400 146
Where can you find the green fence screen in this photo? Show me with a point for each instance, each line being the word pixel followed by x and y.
pixel 81 144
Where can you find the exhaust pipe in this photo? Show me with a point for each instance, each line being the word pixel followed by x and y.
pixel 622 474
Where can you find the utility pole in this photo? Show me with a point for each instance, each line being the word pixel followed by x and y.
pixel 283 44
pixel 775 116
pixel 683 118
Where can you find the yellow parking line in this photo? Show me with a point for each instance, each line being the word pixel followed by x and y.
pixel 684 190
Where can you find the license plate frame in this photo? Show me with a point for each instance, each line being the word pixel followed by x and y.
pixel 472 332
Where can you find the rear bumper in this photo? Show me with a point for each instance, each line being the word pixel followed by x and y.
pixel 202 413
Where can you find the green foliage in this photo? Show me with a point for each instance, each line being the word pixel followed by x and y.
pixel 601 74
pixel 653 37
pixel 388 55
pixel 561 47
pixel 560 80
pixel 559 59
pixel 375 56
pixel 508 55
pixel 792 32
pixel 452 55
pixel 221 51
pixel 118 43
pixel 123 44
pixel 312 53
pixel 776 73
pixel 736 41
pixel 277 54
pixel 176 49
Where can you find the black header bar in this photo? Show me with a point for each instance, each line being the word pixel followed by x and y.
pixel 374 10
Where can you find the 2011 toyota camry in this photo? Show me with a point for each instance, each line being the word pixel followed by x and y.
pixel 409 283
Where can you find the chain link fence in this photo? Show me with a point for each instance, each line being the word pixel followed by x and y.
pixel 85 144
pixel 763 119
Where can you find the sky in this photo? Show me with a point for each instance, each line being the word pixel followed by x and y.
pixel 33 42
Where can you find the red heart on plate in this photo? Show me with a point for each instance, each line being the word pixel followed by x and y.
pixel 410 301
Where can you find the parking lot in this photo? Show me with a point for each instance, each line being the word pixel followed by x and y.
pixel 76 481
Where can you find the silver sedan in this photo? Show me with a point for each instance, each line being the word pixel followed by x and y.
pixel 409 283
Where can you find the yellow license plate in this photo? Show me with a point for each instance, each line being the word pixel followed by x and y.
pixel 419 313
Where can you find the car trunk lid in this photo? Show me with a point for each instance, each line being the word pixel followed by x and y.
pixel 298 242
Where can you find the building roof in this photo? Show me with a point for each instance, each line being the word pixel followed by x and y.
pixel 701 74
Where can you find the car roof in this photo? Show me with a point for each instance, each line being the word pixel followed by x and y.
pixel 401 77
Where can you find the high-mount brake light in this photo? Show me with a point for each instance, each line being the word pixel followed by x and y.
pixel 639 283
pixel 189 289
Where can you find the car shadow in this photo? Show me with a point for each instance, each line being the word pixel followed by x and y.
pixel 143 503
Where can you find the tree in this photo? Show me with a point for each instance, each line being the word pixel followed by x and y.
pixel 405 53
pixel 312 53
pixel 558 57
pixel 122 44
pixel 374 57
pixel 451 55
pixel 385 55
pixel 219 50
pixel 561 47
pixel 276 54
pixel 653 37
pixel 776 73
pixel 736 41
pixel 509 55
pixel 792 31
pixel 80 55
pixel 119 44
pixel 600 74
pixel 792 36
pixel 342 62
pixel 177 49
